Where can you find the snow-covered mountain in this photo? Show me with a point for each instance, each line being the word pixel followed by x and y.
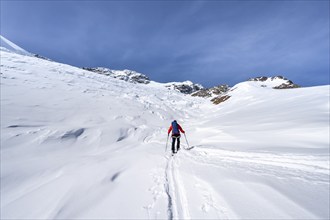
pixel 80 145
pixel 222 93
pixel 186 87
pixel 225 92
pixel 211 92
pixel 126 75
pixel 277 82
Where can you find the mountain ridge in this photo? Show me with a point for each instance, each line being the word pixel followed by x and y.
pixel 185 87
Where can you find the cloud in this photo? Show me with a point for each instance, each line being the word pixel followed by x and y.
pixel 208 42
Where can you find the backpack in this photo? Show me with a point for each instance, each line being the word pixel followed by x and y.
pixel 175 128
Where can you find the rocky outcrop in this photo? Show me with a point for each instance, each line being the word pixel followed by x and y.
pixel 260 79
pixel 205 93
pixel 288 85
pixel 126 75
pixel 282 82
pixel 209 92
pixel 186 87
pixel 219 99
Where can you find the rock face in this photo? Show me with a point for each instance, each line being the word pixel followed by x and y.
pixel 277 82
pixel 288 85
pixel 186 87
pixel 209 92
pixel 126 75
pixel 217 100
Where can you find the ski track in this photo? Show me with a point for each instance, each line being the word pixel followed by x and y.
pixel 167 190
pixel 175 190
pixel 176 187
pixel 178 206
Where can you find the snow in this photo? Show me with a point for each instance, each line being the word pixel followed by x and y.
pixel 127 75
pixel 270 82
pixel 184 83
pixel 81 145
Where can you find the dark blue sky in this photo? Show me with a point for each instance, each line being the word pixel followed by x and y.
pixel 208 42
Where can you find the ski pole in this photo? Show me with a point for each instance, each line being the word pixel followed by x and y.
pixel 186 139
pixel 166 144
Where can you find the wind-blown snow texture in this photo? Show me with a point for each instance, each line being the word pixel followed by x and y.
pixel 75 144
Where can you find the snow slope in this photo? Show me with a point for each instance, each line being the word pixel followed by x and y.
pixel 80 145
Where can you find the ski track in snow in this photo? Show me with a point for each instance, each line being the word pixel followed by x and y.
pixel 178 205
pixel 178 201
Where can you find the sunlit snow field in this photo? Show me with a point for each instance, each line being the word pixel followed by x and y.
pixel 79 145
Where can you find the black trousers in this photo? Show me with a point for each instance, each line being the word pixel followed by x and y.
pixel 177 139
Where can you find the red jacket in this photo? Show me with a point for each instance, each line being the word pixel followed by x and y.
pixel 170 129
